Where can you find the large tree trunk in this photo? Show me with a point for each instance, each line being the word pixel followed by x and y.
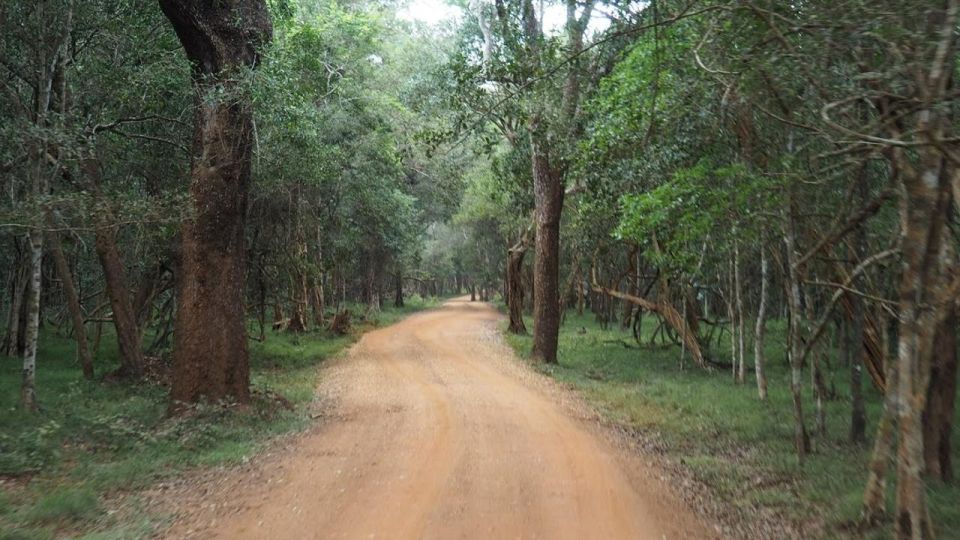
pixel 548 188
pixel 515 288
pixel 928 180
pixel 548 199
pixel 124 319
pixel 938 414
pixel 922 245
pixel 221 39
pixel 73 305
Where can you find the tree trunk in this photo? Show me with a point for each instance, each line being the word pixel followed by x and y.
pixel 147 290
pixel 320 315
pixel 314 301
pixel 732 315
pixel 373 292
pixel 922 246
pixel 580 293
pixel 567 295
pixel 299 284
pixel 858 351
pixel 73 305
pixel 628 307
pixel 262 306
pixel 515 257
pixel 20 286
pixel 210 359
pixel 398 296
pixel 668 313
pixel 760 330
pixel 875 492
pixel 938 414
pixel 738 299
pixel 801 440
pixel 548 200
pixel 858 412
pixel 128 335
pixel 28 385
pixel 298 317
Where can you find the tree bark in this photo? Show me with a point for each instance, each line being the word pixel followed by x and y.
pixel 858 412
pixel 50 46
pixel 221 39
pixel 20 285
pixel 738 297
pixel 730 301
pixel 398 285
pixel 73 305
pixel 669 314
pixel 875 492
pixel 124 319
pixel 937 420
pixel 548 200
pixel 298 316
pixel 373 291
pixel 515 257
pixel 299 284
pixel 319 315
pixel 760 329
pixel 923 219
pixel 801 440
pixel 28 384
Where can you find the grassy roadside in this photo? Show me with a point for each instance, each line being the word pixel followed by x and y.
pixel 94 440
pixel 724 435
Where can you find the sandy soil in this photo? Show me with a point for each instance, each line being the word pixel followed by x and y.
pixel 435 430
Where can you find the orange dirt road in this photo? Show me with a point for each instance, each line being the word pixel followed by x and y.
pixel 438 432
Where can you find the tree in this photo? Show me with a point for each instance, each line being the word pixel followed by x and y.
pixel 222 41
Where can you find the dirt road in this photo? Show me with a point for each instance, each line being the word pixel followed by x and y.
pixel 439 432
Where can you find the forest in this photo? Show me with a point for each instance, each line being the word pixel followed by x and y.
pixel 728 226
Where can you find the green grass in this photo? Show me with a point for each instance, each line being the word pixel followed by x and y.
pixel 729 439
pixel 93 440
